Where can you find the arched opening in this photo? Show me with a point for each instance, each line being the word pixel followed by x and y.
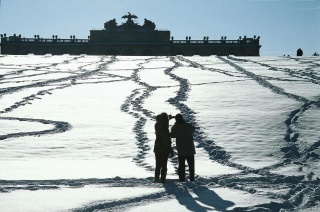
pixel 180 53
pixel 129 52
pixel 112 52
pixel 43 51
pixel 147 52
pixel 26 52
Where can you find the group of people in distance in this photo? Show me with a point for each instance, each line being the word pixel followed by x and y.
pixel 183 132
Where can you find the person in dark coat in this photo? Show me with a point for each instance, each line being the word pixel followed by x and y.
pixel 299 52
pixel 162 147
pixel 183 132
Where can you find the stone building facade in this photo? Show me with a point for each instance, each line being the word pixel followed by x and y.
pixel 129 39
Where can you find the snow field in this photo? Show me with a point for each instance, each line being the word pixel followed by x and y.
pixel 77 132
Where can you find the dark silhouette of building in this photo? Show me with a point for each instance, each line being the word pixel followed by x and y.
pixel 129 38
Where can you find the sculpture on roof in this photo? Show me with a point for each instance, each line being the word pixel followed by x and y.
pixel 129 17
pixel 129 24
pixel 112 24
pixel 148 25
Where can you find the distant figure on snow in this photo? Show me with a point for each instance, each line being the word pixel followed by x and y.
pixel 162 147
pixel 299 52
pixel 183 132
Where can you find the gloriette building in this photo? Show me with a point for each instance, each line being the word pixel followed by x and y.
pixel 130 39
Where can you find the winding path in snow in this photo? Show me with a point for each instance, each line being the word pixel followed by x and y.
pixel 216 153
pixel 291 136
pixel 58 126
pixel 302 189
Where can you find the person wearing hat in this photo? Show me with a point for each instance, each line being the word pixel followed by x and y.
pixel 183 132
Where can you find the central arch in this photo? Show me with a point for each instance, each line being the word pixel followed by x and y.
pixel 112 52
pixel 147 52
pixel 129 52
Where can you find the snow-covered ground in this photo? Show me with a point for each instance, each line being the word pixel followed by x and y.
pixel 77 132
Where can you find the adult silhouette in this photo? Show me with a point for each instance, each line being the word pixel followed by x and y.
pixel 299 52
pixel 183 132
pixel 162 147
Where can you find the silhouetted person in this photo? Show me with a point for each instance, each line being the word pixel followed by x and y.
pixel 162 147
pixel 299 52
pixel 183 132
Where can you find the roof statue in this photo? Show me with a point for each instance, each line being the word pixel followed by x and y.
pixel 129 24
pixel 129 17
pixel 148 25
pixel 112 24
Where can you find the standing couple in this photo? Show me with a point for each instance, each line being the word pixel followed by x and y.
pixel 183 132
